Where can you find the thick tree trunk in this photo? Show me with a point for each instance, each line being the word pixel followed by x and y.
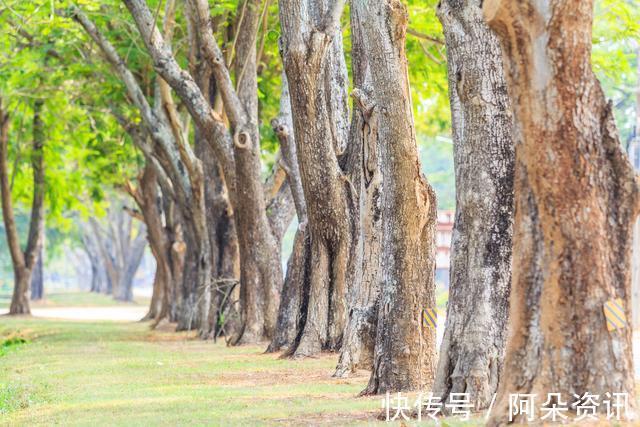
pixel 471 354
pixel 404 355
pixel 37 279
pixel 23 262
pixel 360 162
pixel 260 265
pixel 20 297
pixel 316 73
pixel 173 228
pixel 195 292
pixel 576 199
pixel 221 225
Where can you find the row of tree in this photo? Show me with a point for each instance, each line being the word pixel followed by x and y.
pixel 546 198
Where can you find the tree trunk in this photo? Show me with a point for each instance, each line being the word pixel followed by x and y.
pixel 298 266
pixel 177 249
pixel 175 155
pixel 37 279
pixel 576 199
pixel 237 154
pixel 471 354
pixel 316 73
pixel 150 204
pixel 404 355
pixel 23 262
pixel 635 273
pixel 260 265
pixel 221 227
pixel 20 297
pixel 360 162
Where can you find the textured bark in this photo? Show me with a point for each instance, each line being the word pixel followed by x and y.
pixel 173 229
pixel 576 199
pixel 23 262
pixel 404 355
pixel 635 285
pixel 260 267
pixel 316 73
pixel 472 351
pixel 359 161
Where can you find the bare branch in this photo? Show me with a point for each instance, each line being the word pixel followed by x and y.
pixel 424 36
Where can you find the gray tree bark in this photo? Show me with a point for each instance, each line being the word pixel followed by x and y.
pixel 576 198
pixel 316 74
pixel 404 354
pixel 471 354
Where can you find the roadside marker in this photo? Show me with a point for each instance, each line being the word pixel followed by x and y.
pixel 614 314
pixel 429 318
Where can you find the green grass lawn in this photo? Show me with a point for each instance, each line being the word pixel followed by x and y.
pixel 74 299
pixel 117 373
pixel 110 373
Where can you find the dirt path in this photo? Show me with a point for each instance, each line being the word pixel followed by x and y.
pixel 118 314
pixel 132 314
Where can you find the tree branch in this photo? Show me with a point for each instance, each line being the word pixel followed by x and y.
pixel 184 85
pixel 155 124
pixel 212 53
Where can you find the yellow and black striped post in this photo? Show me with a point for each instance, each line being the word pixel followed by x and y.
pixel 614 313
pixel 429 318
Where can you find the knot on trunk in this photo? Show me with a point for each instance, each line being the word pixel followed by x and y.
pixel 280 128
pixel 241 139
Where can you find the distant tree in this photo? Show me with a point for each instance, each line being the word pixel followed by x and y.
pixel 121 247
